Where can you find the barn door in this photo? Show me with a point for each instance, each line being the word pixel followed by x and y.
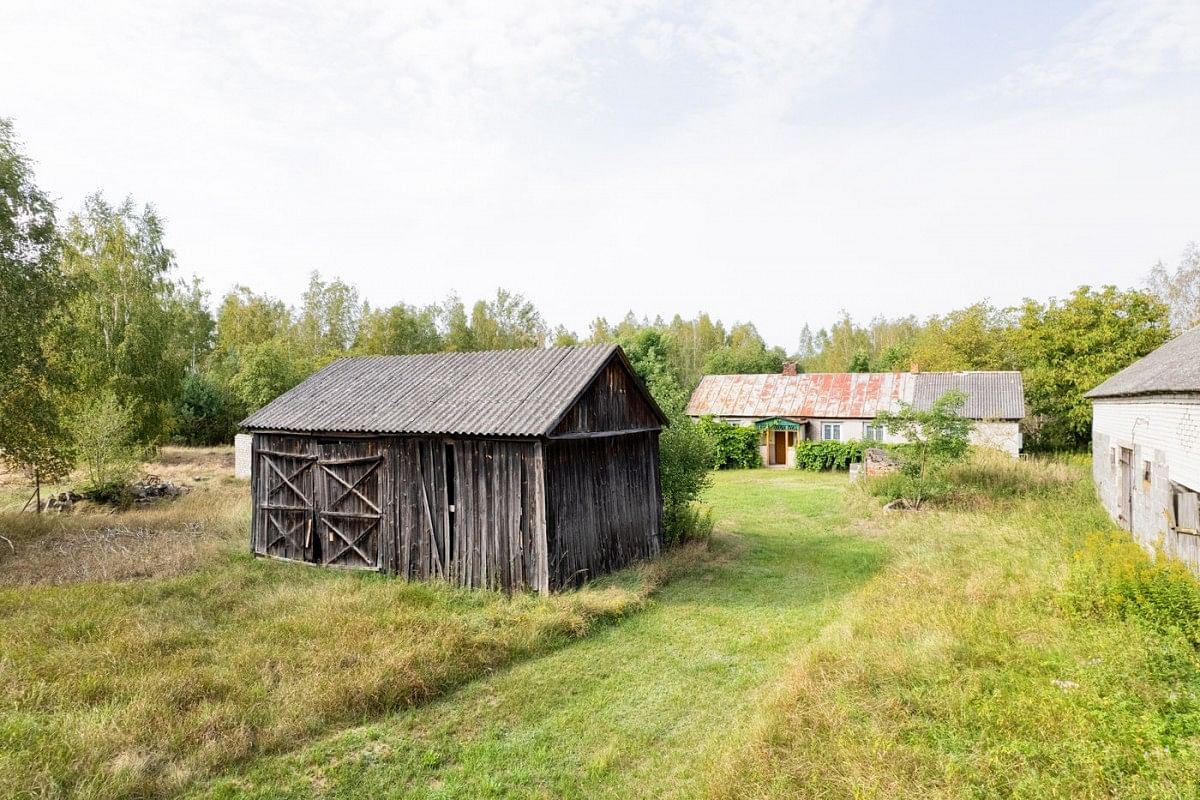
pixel 286 506
pixel 351 479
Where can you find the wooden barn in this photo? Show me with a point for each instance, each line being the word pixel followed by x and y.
pixel 511 469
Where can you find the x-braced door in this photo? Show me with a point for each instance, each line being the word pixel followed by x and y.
pixel 286 524
pixel 351 505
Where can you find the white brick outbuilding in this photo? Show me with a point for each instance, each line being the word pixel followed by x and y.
pixel 1146 447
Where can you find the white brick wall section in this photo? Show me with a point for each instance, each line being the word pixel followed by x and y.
pixel 241 455
pixel 1173 427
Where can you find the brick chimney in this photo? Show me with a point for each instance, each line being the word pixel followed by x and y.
pixel 915 368
pixel 789 368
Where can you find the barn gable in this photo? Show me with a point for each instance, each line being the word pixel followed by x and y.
pixel 616 400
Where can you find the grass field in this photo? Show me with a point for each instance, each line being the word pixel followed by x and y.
pixel 142 650
pixel 821 648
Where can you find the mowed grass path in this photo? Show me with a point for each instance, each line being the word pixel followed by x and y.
pixel 644 708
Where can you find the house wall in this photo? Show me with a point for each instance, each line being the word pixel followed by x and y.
pixel 1165 433
pixel 1002 435
pixel 852 430
pixel 604 505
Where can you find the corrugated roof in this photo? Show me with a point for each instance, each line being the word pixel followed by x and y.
pixel 854 395
pixel 493 393
pixel 844 395
pixel 990 395
pixel 1173 368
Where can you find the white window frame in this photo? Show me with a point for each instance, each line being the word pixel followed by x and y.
pixel 872 433
pixel 836 427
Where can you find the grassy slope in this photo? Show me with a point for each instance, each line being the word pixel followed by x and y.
pixel 958 672
pixel 638 709
pixel 138 687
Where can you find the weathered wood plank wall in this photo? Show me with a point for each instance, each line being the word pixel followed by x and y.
pixel 471 511
pixel 603 503
pixel 491 513
pixel 612 403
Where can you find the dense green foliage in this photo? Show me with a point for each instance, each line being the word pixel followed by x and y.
pixel 1067 348
pixel 131 328
pixel 33 293
pixel 818 456
pixel 207 413
pixel 733 446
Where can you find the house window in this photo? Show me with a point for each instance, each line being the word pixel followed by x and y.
pixel 872 433
pixel 1146 475
pixel 831 431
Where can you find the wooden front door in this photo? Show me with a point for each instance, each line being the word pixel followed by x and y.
pixel 286 503
pixel 1125 489
pixel 780 447
pixel 351 486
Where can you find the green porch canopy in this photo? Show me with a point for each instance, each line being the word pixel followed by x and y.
pixel 778 424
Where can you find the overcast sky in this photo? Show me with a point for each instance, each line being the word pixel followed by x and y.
pixel 764 161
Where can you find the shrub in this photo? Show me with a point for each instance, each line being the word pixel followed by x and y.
pixel 102 433
pixel 734 446
pixel 207 412
pixel 825 455
pixel 1111 577
pixel 685 458
pixel 688 523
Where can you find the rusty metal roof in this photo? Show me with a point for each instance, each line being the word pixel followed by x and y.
pixel 854 395
pixel 1173 368
pixel 493 393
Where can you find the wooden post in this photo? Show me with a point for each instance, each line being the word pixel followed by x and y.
pixel 37 487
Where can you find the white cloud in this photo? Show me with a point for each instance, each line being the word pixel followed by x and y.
pixel 1118 44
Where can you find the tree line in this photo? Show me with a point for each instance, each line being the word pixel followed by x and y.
pixel 102 336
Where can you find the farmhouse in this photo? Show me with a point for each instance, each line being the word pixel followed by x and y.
pixel 1146 447
pixel 517 469
pixel 789 408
